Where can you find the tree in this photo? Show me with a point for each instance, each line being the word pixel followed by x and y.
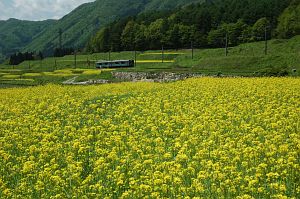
pixel 235 32
pixel 156 33
pixel 204 23
pixel 174 37
pixel 60 52
pixel 259 28
pixel 128 36
pixel 41 56
pixel 289 21
pixel 199 39
pixel 17 58
pixel 140 38
pixel 101 41
pixel 186 35
pixel 216 37
pixel 115 34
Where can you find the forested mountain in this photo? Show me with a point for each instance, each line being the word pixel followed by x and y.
pixel 205 24
pixel 78 26
pixel 147 24
pixel 16 34
pixel 168 4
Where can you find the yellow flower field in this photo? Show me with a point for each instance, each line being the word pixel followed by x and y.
pixel 198 138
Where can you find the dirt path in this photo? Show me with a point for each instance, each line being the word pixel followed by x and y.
pixel 70 81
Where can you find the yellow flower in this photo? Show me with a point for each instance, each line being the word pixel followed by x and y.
pixel 209 137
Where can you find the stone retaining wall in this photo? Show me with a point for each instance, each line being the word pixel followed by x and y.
pixel 153 77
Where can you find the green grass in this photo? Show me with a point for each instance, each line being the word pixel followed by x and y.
pixel 247 59
pixel 103 75
pixel 283 58
pixel 8 83
pixel 30 78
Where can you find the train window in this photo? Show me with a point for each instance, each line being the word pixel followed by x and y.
pixel 124 63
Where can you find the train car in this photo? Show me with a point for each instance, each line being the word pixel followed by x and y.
pixel 115 64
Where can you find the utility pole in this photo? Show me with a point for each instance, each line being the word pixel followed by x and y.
pixel 134 57
pixel 109 58
pixel 162 54
pixel 226 45
pixel 75 58
pixel 192 47
pixel 266 40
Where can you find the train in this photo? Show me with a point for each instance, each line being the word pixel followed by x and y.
pixel 115 64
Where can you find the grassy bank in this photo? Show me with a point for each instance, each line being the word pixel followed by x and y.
pixel 283 59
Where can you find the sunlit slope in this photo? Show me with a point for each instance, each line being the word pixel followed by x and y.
pixel 79 25
pixel 16 34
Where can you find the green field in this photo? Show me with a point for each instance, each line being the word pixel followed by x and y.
pixel 283 59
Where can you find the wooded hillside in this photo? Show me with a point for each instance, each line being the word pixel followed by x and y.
pixel 204 25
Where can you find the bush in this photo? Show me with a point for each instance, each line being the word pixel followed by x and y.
pixel 272 72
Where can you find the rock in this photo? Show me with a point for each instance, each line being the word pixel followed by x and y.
pixel 153 77
pixel 138 77
pixel 89 82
